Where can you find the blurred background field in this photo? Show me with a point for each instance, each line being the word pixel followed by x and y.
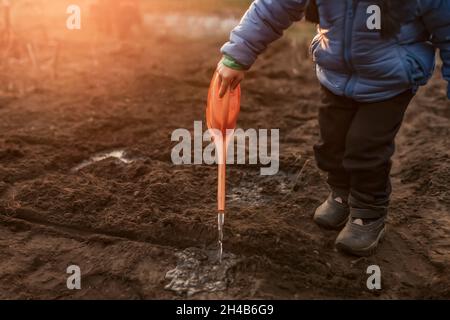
pixel 27 15
pixel 34 36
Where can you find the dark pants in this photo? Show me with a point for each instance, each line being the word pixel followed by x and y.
pixel 357 143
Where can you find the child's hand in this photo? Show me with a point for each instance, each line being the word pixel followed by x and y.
pixel 228 78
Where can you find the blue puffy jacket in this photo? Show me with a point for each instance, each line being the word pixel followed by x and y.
pixel 352 60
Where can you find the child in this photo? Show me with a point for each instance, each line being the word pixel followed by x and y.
pixel 368 75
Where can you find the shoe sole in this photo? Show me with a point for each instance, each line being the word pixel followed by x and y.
pixel 370 250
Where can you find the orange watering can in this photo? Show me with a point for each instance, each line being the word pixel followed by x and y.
pixel 221 117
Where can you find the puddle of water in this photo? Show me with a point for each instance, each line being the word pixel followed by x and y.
pixel 116 154
pixel 192 26
pixel 199 271
pixel 246 194
pixel 252 193
pixel 284 188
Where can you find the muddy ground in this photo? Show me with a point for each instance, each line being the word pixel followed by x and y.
pixel 123 223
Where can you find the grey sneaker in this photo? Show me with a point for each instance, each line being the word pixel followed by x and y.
pixel 332 214
pixel 361 239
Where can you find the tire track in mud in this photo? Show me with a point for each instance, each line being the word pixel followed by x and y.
pixel 97 279
pixel 33 217
pixel 253 263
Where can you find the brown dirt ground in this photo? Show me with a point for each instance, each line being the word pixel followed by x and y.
pixel 122 223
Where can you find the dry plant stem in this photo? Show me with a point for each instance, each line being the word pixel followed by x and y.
pixel 32 56
pixel 55 60
pixel 297 177
pixel 300 173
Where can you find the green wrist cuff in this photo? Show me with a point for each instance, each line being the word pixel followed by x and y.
pixel 231 63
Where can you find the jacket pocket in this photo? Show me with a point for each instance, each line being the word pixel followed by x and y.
pixel 417 71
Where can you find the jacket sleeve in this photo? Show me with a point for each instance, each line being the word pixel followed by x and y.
pixel 263 23
pixel 436 16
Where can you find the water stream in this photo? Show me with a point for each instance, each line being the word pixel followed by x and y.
pixel 220 223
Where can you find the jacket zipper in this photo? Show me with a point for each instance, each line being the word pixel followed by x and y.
pixel 349 19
